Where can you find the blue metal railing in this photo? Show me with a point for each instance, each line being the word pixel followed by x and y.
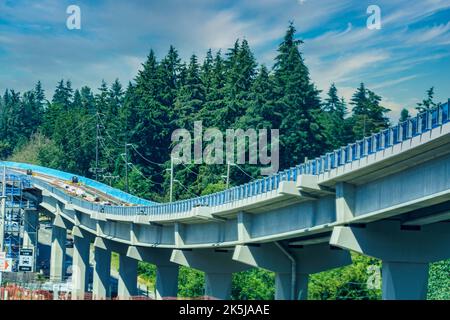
pixel 116 193
pixel 382 140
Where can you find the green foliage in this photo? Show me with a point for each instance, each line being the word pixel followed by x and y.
pixel 368 115
pixel 427 103
pixel 439 281
pixel 147 271
pixel 213 188
pixel 298 102
pixel 190 283
pixel 346 283
pixel 337 127
pixel 253 284
pixel 404 115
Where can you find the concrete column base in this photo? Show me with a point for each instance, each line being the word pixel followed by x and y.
pixel 58 254
pixel 404 281
pixel 127 286
pixel 283 286
pixel 218 285
pixel 80 266
pixel 166 281
pixel 102 274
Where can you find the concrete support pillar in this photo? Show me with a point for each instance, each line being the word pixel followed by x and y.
pixel 166 271
pixel 405 281
pixel 58 254
pixel 102 274
pixel 30 228
pixel 283 286
pixel 405 253
pixel 166 281
pixel 218 285
pixel 80 267
pixel 305 261
pixel 127 286
pixel 218 266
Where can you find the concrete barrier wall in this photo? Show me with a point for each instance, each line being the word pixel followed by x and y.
pixel 155 234
pixel 419 181
pixel 294 217
pixel 210 232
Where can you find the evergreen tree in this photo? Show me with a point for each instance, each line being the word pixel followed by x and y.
pixel 207 72
pixel 338 128
pixel 404 115
pixel 215 96
pixel 368 115
pixel 427 103
pixel 240 74
pixel 101 98
pixel 190 97
pixel 88 99
pixel 298 101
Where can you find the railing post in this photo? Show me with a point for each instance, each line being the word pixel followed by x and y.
pixel 399 132
pixel 419 123
pixel 429 120
pixel 383 139
pixel 409 129
pixel 439 115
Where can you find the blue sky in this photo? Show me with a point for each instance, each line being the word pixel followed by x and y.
pixel 400 62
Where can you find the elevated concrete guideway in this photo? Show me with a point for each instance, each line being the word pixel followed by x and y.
pixel 387 196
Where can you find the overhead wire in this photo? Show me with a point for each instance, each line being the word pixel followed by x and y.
pixel 243 171
pixel 192 193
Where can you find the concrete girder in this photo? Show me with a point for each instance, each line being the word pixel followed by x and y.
pixel 310 259
pixel 217 265
pixel 166 271
pixel 405 254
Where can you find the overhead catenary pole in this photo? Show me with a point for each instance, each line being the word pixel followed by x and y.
pixel 228 174
pixel 171 179
pixel 96 149
pixel 126 167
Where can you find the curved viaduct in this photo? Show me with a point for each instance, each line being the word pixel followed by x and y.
pixel 386 196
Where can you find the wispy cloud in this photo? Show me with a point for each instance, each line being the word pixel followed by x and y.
pixel 116 36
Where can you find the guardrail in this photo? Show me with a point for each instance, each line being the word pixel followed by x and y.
pixel 384 139
pixel 116 193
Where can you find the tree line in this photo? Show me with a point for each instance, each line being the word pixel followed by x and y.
pixel 228 90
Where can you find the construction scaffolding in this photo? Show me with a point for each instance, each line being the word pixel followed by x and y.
pixel 13 222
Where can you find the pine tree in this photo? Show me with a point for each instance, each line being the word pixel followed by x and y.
pixel 215 97
pixel 427 103
pixel 368 115
pixel 240 74
pixel 337 127
pixel 88 99
pixel 207 72
pixel 261 112
pixel 404 115
pixel 101 98
pixel 190 97
pixel 298 101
